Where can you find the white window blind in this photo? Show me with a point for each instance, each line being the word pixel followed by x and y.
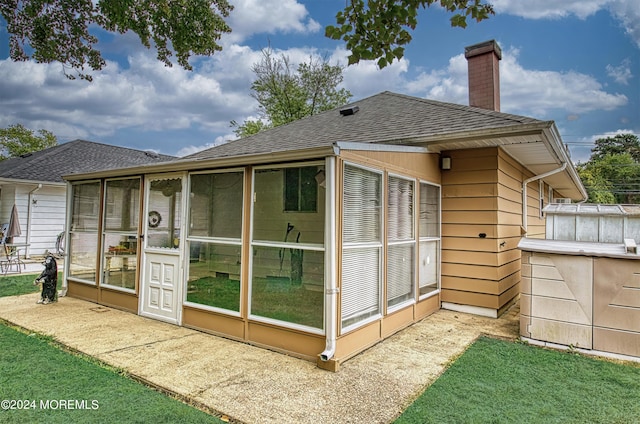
pixel 362 245
pixel 401 241
pixel 400 212
pixel 362 205
pixel 400 273
pixel 429 234
pixel 429 210
pixel 360 284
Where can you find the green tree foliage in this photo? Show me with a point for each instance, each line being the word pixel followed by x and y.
pixel 612 173
pixel 16 140
pixel 618 144
pixel 58 30
pixel 379 29
pixel 286 94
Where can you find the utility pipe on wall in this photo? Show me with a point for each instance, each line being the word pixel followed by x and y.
pixel 524 191
pixel 29 212
pixel 331 286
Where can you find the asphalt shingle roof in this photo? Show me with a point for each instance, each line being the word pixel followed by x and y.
pixel 383 118
pixel 78 156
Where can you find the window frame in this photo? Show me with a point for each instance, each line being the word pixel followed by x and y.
pixel 105 232
pixel 412 241
pixel 377 245
pixel 220 241
pixel 437 240
pixel 317 247
pixel 96 232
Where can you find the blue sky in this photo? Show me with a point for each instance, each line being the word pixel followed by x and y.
pixel 576 62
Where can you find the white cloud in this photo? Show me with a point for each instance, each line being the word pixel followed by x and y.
pixel 620 74
pixel 625 11
pixel 447 85
pixel 628 12
pixel 523 91
pixel 541 91
pixel 268 16
pixel 146 96
pixel 365 79
pixel 141 94
pixel 141 97
pixel 549 9
pixel 190 149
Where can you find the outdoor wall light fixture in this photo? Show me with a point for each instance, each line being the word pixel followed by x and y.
pixel 445 163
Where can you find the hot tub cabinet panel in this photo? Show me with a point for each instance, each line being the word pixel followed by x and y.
pixel 555 301
pixel 573 294
pixel 617 306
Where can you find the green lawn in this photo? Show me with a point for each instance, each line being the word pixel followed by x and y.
pixel 497 381
pixel 494 381
pixel 17 284
pixel 271 297
pixel 44 380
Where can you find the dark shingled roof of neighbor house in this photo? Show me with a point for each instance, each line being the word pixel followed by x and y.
pixel 78 156
pixel 383 118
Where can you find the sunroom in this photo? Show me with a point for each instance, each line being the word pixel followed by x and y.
pixel 319 255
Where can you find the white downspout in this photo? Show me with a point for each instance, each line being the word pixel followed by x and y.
pixel 29 212
pixel 524 191
pixel 331 286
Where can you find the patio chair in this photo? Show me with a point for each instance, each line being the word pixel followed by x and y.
pixel 10 257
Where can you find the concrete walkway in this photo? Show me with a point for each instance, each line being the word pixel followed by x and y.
pixel 254 385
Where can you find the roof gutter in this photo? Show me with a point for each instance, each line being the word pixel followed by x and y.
pixel 558 148
pixel 524 191
pixel 36 182
pixel 466 135
pixel 193 164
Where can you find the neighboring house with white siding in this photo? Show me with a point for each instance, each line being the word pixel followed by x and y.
pixel 33 182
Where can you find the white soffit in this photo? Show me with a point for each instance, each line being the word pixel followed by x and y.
pixel 528 149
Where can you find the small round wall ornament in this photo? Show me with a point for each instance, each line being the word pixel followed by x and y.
pixel 154 219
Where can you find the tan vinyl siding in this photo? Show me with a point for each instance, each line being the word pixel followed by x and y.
pixel 422 165
pixel 484 286
pixel 482 195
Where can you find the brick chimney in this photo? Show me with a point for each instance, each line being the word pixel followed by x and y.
pixel 484 74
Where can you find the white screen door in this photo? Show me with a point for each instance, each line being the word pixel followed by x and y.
pixel 162 273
